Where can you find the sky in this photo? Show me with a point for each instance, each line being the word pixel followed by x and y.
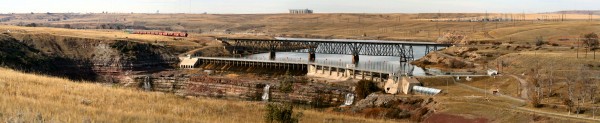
pixel 282 6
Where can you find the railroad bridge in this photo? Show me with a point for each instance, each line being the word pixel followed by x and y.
pixel 338 71
pixel 402 49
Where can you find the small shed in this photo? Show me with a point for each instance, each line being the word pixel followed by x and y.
pixel 491 72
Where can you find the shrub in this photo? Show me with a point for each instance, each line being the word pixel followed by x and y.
pixel 496 43
pixel 535 100
pixel 457 64
pixel 591 40
pixel 31 25
pixel 68 26
pixel 418 115
pixel 319 101
pixel 281 113
pixel 539 41
pixel 287 84
pixel 569 103
pixel 365 87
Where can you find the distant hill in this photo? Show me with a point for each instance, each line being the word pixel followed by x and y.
pixel 585 12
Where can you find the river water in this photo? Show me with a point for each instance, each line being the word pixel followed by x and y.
pixel 390 64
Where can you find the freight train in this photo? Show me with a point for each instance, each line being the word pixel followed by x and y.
pixel 174 34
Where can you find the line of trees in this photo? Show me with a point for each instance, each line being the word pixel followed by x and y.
pixel 581 87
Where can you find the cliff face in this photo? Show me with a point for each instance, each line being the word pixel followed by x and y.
pixel 83 58
pixel 315 94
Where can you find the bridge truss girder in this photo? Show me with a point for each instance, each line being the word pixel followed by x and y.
pixel 404 51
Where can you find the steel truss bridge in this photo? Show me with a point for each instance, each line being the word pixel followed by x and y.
pixel 402 49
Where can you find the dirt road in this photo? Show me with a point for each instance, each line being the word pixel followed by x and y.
pixel 524 86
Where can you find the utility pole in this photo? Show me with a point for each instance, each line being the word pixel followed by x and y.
pixel 591 15
pixel 564 15
pixel 523 15
pixel 577 50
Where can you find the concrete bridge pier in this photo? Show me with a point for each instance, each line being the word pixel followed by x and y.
pixel 272 55
pixel 355 59
pixel 311 57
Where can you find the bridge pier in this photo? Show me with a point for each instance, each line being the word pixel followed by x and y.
pixel 311 57
pixel 355 59
pixel 272 55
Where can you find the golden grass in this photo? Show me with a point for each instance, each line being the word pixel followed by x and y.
pixel 31 98
pixel 97 34
pixel 556 60
pixel 375 26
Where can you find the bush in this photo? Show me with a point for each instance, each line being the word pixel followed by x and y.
pixel 365 87
pixel 31 25
pixel 535 100
pixel 591 40
pixel 319 101
pixel 419 114
pixel 457 64
pixel 281 113
pixel 287 84
pixel 539 41
pixel 569 103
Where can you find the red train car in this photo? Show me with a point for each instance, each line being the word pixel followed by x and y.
pixel 174 34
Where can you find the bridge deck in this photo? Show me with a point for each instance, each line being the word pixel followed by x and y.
pixel 251 60
pixel 287 62
pixel 313 63
pixel 340 41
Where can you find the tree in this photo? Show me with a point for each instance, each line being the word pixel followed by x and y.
pixel 569 103
pixel 591 40
pixel 535 100
pixel 536 90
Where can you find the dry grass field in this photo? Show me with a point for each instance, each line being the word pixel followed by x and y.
pixel 37 98
pixel 97 34
pixel 550 60
pixel 33 97
pixel 422 27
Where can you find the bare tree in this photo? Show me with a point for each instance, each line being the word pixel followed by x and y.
pixel 535 91
pixel 568 101
pixel 550 79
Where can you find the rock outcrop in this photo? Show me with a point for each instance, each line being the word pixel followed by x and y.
pixel 315 94
pixel 83 58
pixel 450 58
pixel 393 106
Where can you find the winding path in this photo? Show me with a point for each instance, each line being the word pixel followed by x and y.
pixel 524 86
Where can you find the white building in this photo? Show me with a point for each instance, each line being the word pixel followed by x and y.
pixel 301 11
pixel 491 72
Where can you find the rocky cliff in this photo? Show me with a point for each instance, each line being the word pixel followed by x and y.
pixel 315 94
pixel 82 58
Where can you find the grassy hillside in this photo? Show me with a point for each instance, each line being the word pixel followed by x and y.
pixel 31 98
pixel 424 26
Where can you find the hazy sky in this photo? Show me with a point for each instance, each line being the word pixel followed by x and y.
pixel 281 6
